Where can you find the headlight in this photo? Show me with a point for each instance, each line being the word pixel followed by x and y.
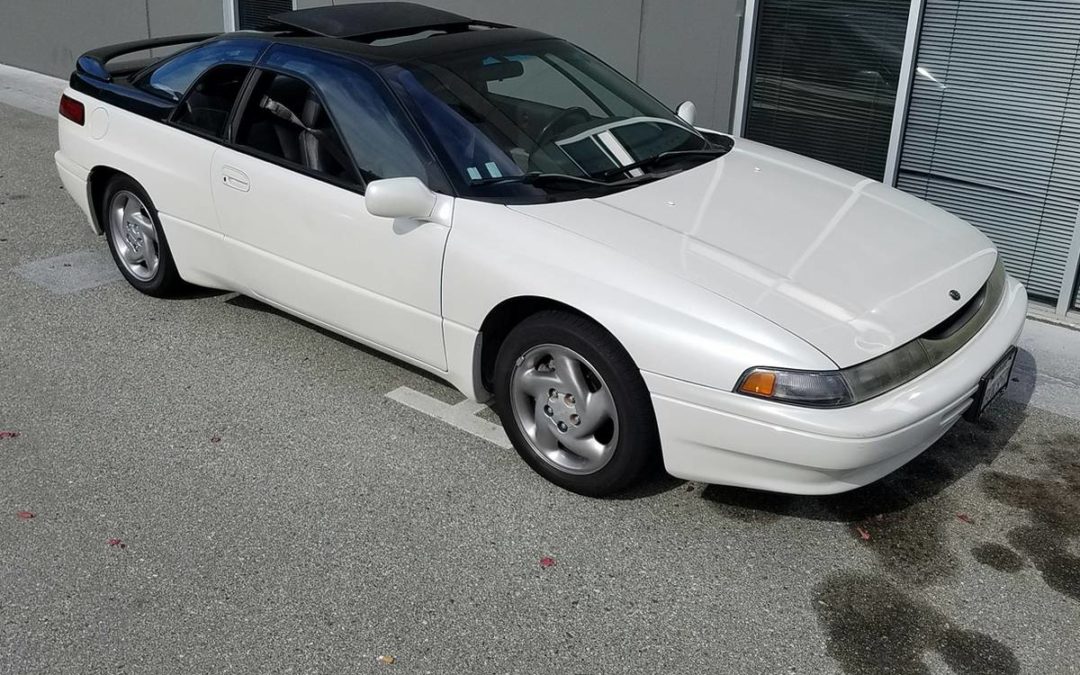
pixel 839 388
pixel 818 389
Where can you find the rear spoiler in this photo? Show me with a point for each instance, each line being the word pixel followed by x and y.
pixel 93 63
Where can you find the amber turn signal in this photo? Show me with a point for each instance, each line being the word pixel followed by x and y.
pixel 759 383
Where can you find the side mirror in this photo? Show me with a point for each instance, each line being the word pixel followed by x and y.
pixel 687 112
pixel 399 198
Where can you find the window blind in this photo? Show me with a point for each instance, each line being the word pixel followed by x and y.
pixel 993 129
pixel 824 78
pixel 252 14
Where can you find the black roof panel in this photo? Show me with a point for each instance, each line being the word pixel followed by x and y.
pixel 369 19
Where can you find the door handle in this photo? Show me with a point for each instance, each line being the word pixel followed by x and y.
pixel 235 178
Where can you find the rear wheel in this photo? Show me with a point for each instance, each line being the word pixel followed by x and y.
pixel 574 405
pixel 136 239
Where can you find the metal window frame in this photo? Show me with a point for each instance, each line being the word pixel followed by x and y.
pixel 903 91
pixel 1072 271
pixel 230 11
pixel 746 53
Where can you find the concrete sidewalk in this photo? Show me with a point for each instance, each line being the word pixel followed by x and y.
pixel 30 91
pixel 1047 375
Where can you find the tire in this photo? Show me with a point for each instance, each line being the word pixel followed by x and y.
pixel 546 367
pixel 135 239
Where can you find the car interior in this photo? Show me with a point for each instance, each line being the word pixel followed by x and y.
pixel 207 105
pixel 286 119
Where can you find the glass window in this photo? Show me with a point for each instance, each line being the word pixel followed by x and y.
pixel 372 125
pixel 208 104
pixel 824 79
pixel 173 77
pixel 532 77
pixel 502 117
pixel 285 119
pixel 254 14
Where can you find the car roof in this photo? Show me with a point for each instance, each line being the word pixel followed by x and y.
pixel 368 19
pixel 390 31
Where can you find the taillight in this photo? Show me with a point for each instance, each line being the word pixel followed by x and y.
pixel 72 109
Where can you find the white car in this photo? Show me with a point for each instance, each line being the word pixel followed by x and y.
pixel 503 210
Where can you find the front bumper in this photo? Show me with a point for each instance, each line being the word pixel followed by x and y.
pixel 721 437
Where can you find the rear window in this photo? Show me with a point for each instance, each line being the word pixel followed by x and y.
pixel 173 77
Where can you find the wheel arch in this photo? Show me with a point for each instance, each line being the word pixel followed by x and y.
pixel 502 319
pixel 96 182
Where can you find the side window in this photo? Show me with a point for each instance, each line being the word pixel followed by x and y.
pixel 206 106
pixel 173 77
pixel 374 129
pixel 539 75
pixel 286 120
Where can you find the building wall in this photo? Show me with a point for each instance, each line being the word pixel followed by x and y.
pixel 677 49
pixel 48 35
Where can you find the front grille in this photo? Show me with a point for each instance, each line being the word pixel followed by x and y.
pixel 948 337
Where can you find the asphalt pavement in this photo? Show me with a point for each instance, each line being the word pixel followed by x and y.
pixel 205 485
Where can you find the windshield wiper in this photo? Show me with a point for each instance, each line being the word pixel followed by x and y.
pixel 537 178
pixel 663 158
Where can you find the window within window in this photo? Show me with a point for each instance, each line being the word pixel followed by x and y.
pixel 286 119
pixel 206 107
pixel 173 77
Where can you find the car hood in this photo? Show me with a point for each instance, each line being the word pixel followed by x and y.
pixel 852 267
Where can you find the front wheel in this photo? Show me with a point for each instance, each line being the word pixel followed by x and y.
pixel 574 404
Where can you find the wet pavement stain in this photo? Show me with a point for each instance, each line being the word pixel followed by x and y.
pixel 904 514
pixel 1001 558
pixel 1052 503
pixel 872 627
pixel 881 621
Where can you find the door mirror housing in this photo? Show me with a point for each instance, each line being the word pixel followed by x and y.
pixel 687 112
pixel 400 198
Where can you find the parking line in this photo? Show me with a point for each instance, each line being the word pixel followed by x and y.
pixel 462 415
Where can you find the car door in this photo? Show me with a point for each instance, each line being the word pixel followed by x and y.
pixel 289 196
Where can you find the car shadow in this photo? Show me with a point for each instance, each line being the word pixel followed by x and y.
pixel 244 302
pixel 196 293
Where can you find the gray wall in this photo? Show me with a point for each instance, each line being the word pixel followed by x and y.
pixel 677 49
pixel 48 35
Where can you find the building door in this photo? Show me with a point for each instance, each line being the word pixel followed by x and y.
pixel 993 130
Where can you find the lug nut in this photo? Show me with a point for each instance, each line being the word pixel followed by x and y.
pixel 575 420
pixel 552 393
pixel 569 399
pixel 562 426
pixel 548 411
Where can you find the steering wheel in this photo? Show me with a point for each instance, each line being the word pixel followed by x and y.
pixel 561 122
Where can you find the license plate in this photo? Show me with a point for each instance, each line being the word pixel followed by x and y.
pixel 992 385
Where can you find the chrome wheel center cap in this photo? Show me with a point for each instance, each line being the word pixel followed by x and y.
pixel 562 410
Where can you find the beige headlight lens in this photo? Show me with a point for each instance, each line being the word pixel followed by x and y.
pixel 818 389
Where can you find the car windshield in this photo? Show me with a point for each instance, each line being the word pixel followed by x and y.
pixel 541 119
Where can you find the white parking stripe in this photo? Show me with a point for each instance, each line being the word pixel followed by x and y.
pixel 463 415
